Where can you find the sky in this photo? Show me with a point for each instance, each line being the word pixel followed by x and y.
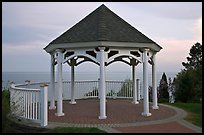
pixel 27 27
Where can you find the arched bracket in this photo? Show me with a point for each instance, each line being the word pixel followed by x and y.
pixel 86 59
pixel 132 61
pixel 90 58
pixel 114 54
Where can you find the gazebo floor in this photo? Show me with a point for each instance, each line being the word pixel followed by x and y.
pixel 86 111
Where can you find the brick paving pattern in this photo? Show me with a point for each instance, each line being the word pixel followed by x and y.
pixel 118 111
pixel 122 117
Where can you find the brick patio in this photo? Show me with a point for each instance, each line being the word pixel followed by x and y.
pixel 122 117
pixel 86 111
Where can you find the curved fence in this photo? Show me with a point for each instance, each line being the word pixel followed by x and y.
pixel 29 103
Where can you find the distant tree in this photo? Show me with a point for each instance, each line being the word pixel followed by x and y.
pixel 183 86
pixel 188 82
pixel 163 88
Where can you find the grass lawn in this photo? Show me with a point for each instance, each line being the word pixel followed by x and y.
pixel 194 111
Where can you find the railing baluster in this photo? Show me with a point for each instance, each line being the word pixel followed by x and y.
pixel 36 106
pixel 26 103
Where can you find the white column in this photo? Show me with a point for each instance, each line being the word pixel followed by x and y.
pixel 52 83
pixel 72 82
pixel 43 100
pixel 134 86
pixel 138 89
pixel 154 83
pixel 102 85
pixel 59 92
pixel 145 85
pixel 99 92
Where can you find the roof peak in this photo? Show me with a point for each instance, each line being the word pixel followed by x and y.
pixel 102 5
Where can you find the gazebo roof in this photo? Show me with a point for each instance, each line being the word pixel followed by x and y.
pixel 102 25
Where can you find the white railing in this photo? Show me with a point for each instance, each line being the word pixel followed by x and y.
pixel 30 100
pixel 89 89
pixel 119 89
pixel 29 103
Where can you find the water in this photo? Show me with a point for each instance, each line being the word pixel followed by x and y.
pixel 21 77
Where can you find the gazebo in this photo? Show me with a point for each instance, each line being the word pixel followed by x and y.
pixel 102 37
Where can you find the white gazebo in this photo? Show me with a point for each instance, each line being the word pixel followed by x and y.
pixel 103 37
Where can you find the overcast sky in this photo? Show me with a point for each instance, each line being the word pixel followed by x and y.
pixel 28 27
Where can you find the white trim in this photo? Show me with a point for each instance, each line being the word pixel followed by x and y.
pixel 152 46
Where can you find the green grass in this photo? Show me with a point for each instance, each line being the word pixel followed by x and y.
pixel 75 130
pixel 194 111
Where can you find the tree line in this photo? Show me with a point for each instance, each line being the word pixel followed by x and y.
pixel 187 85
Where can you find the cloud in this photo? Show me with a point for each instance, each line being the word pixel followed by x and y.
pixel 44 15
pixel 170 10
pixel 174 52
pixel 30 21
pixel 27 48
pixel 197 30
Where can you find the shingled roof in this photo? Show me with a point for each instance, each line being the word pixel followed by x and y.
pixel 102 25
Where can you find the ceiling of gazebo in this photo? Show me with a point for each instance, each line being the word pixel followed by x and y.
pixel 102 27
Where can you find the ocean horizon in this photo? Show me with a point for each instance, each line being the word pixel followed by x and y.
pixel 21 77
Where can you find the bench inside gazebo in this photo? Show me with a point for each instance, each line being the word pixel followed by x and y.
pixel 103 38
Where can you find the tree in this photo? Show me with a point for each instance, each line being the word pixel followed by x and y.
pixel 195 59
pixel 163 88
pixel 188 82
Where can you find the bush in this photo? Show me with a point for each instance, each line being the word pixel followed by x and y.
pixel 5 108
pixel 163 100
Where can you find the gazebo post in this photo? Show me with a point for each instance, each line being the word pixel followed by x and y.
pixel 102 85
pixel 59 92
pixel 134 86
pixel 73 62
pixel 145 85
pixel 52 83
pixel 154 86
pixel 138 89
